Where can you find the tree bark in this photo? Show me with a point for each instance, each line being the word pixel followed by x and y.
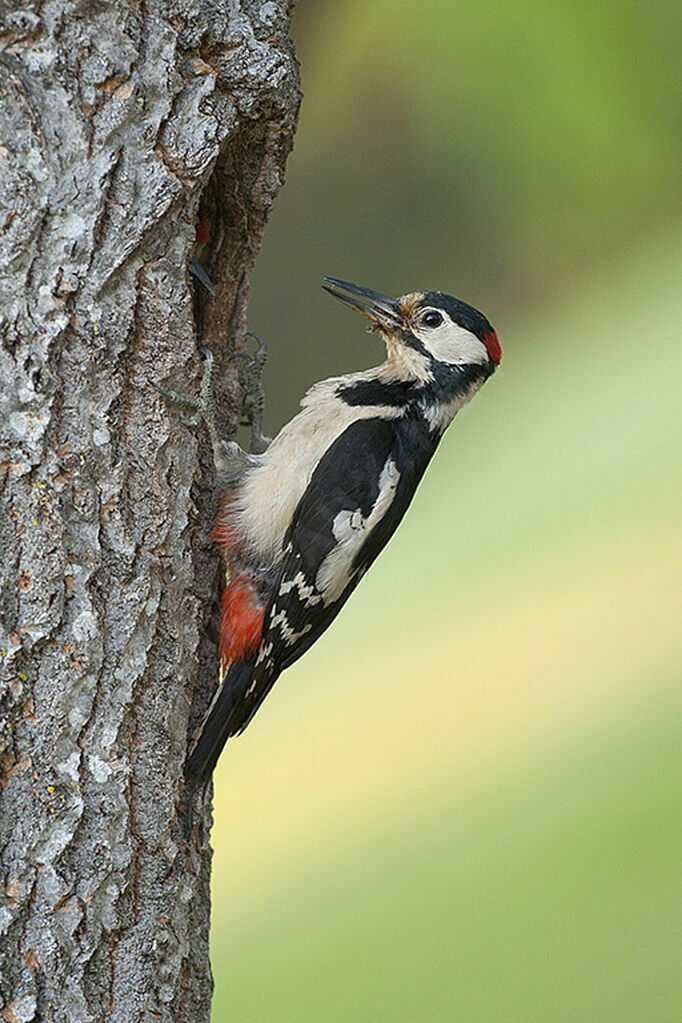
pixel 123 125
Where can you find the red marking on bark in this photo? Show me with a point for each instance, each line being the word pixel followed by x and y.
pixel 242 621
pixel 203 230
pixel 490 340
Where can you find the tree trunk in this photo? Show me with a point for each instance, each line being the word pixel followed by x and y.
pixel 123 126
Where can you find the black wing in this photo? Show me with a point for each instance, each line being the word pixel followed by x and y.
pixel 353 504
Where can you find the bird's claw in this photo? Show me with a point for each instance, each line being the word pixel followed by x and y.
pixel 254 399
pixel 204 405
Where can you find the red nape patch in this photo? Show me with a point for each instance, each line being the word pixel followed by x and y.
pixel 492 343
pixel 242 621
pixel 203 230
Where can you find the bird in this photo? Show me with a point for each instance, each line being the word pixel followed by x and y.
pixel 300 523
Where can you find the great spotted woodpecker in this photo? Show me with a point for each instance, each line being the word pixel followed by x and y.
pixel 301 523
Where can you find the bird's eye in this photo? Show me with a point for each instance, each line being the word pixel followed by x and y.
pixel 432 319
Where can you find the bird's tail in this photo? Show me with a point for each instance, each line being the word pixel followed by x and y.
pixel 228 715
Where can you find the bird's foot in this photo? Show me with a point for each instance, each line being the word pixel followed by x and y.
pixel 230 459
pixel 204 404
pixel 254 399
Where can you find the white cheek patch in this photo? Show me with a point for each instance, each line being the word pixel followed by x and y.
pixel 351 529
pixel 453 344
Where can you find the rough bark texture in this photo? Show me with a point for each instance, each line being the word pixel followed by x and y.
pixel 121 125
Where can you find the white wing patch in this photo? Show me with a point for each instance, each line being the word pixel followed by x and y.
pixel 264 653
pixel 281 622
pixel 350 529
pixel 306 591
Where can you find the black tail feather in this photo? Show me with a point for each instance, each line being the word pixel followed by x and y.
pixel 242 691
pixel 224 718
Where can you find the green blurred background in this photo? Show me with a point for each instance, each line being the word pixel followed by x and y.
pixel 464 802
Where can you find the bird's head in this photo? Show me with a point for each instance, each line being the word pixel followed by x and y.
pixel 437 327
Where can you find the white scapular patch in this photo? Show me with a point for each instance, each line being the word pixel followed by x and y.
pixel 350 529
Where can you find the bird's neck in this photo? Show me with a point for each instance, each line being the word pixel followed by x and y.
pixel 450 388
pixel 435 395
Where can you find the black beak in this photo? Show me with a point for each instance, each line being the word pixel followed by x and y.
pixel 384 312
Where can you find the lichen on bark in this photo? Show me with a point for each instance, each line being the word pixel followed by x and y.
pixel 120 125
